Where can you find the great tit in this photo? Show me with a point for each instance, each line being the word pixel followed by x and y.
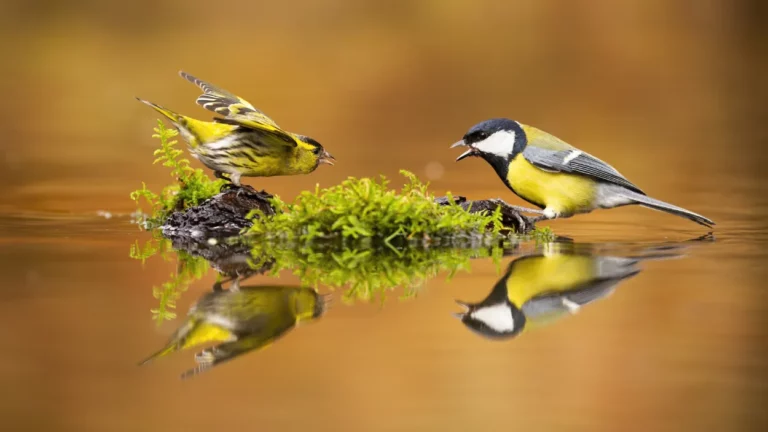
pixel 241 320
pixel 543 287
pixel 245 142
pixel 553 175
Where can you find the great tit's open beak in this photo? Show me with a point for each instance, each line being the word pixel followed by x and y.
pixel 465 306
pixel 466 154
pixel 326 158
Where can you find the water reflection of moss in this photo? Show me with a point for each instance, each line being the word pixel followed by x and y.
pixel 366 273
pixel 189 268
pixel 369 274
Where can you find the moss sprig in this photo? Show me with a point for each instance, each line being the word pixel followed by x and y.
pixel 367 209
pixel 192 186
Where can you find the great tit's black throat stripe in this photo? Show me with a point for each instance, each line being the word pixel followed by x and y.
pixel 501 166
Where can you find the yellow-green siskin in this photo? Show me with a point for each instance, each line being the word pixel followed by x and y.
pixel 242 320
pixel 245 142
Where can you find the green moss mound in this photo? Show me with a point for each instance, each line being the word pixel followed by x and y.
pixel 368 209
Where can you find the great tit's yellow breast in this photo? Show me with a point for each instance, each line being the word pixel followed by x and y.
pixel 547 274
pixel 565 194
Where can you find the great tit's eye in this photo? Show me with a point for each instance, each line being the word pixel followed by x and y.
pixel 475 136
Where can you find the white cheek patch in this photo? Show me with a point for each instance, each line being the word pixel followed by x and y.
pixel 500 143
pixel 498 317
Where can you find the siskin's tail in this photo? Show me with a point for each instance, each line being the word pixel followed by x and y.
pixel 189 129
pixel 175 342
pixel 655 204
pixel 171 347
pixel 172 116
pixel 194 132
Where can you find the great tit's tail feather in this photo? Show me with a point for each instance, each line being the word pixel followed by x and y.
pixel 655 204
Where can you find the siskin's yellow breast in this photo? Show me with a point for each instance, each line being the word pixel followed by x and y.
pixel 564 194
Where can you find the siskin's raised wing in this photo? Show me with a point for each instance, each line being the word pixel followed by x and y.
pixel 231 106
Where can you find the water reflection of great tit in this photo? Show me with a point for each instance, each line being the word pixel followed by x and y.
pixel 543 287
pixel 555 176
pixel 242 320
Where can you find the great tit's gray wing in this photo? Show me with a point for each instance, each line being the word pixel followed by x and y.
pixel 576 162
pixel 558 303
pixel 609 272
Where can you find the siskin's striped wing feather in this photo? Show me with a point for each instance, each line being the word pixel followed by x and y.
pixel 229 105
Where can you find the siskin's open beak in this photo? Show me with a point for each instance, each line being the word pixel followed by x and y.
pixel 326 158
pixel 466 154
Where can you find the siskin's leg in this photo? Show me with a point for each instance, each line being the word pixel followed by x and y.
pixel 235 284
pixel 235 178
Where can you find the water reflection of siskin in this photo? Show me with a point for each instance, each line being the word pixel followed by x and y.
pixel 242 320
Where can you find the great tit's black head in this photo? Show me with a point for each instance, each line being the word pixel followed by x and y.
pixel 501 320
pixel 321 154
pixel 494 140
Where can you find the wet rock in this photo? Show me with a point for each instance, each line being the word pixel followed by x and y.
pixel 510 217
pixel 221 216
pixel 224 215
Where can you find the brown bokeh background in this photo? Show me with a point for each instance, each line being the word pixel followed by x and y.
pixel 670 92
pixel 658 88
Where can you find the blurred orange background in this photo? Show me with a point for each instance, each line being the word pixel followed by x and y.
pixel 671 93
pixel 668 92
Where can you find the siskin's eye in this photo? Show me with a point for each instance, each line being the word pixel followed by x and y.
pixel 317 150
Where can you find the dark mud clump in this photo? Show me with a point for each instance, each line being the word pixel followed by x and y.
pixel 221 216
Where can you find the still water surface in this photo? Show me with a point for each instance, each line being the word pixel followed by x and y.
pixel 674 339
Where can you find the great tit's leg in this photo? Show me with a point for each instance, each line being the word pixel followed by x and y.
pixel 518 209
pixel 546 214
pixel 526 210
pixel 235 284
